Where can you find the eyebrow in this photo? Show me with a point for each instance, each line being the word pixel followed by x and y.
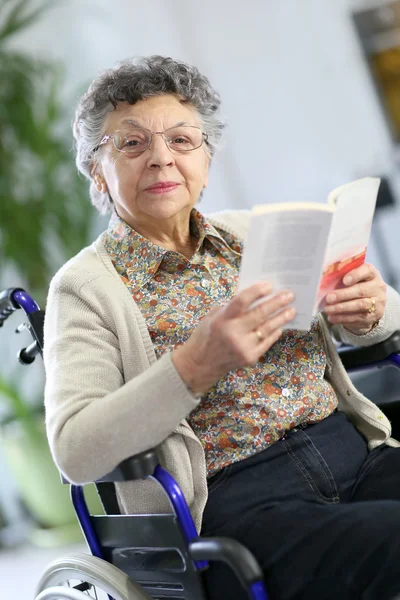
pixel 131 122
pixel 137 124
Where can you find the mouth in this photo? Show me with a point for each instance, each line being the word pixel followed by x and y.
pixel 162 187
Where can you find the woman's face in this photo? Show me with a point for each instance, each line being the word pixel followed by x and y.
pixel 129 179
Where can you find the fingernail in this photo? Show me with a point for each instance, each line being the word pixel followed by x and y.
pixel 331 298
pixel 348 280
pixel 288 296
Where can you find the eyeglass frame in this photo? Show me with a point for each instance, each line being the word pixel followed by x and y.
pixel 106 138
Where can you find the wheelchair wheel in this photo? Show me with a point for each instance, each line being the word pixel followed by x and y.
pixel 82 576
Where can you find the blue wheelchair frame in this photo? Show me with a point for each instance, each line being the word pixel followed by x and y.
pixel 200 550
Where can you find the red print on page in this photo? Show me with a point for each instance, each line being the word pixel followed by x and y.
pixel 332 276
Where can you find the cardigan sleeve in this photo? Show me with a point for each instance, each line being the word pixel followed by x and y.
pixel 389 323
pixel 94 418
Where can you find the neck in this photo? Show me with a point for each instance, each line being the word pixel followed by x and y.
pixel 172 234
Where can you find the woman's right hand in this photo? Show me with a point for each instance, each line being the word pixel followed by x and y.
pixel 233 336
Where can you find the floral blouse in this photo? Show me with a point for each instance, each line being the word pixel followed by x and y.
pixel 252 407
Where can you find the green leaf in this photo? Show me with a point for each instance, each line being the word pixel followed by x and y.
pixel 45 212
pixel 17 19
pixel 19 409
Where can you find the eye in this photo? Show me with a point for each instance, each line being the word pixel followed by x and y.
pixel 132 141
pixel 180 140
pixel 184 138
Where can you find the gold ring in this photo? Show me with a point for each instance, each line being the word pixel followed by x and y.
pixel 372 308
pixel 259 335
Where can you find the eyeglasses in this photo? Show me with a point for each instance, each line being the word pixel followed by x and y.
pixel 183 138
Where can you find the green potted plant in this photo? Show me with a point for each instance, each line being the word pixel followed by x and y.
pixel 45 219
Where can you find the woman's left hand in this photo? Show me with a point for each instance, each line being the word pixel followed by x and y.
pixel 361 303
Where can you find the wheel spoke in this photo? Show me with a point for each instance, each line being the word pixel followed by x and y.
pixel 104 578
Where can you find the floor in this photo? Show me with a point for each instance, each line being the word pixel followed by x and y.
pixel 21 568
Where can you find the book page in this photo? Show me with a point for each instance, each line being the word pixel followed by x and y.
pixel 287 248
pixel 351 226
pixel 260 209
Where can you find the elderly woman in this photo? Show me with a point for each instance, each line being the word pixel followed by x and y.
pixel 148 344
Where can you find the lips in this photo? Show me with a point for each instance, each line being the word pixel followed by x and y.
pixel 162 185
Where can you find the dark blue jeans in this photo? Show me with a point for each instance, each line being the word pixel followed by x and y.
pixel 319 511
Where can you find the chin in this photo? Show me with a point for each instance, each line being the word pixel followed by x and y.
pixel 166 208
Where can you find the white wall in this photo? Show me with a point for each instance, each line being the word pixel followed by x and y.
pixel 302 113
pixel 303 116
pixel 291 75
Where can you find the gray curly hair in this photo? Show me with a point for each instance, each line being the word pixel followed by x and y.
pixel 130 81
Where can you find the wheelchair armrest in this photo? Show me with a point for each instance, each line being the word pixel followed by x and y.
pixel 353 357
pixel 231 552
pixel 135 467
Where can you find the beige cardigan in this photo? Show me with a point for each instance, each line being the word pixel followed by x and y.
pixel 108 398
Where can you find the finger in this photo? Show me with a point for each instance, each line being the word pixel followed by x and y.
pixel 357 306
pixel 246 298
pixel 282 318
pixel 271 332
pixel 358 290
pixel 266 344
pixel 365 272
pixel 256 317
pixel 353 319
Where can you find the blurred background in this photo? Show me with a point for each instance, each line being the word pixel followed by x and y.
pixel 314 86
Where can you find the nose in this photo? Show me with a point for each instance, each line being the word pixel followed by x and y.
pixel 160 155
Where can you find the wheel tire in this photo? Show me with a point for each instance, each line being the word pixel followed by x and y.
pixel 93 570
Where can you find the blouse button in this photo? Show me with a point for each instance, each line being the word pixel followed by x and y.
pixel 205 283
pixel 286 392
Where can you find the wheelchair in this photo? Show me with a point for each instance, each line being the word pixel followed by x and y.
pixel 168 558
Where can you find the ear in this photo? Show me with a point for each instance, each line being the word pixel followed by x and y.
pixel 99 181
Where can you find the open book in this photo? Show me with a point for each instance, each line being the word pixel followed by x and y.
pixel 309 247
